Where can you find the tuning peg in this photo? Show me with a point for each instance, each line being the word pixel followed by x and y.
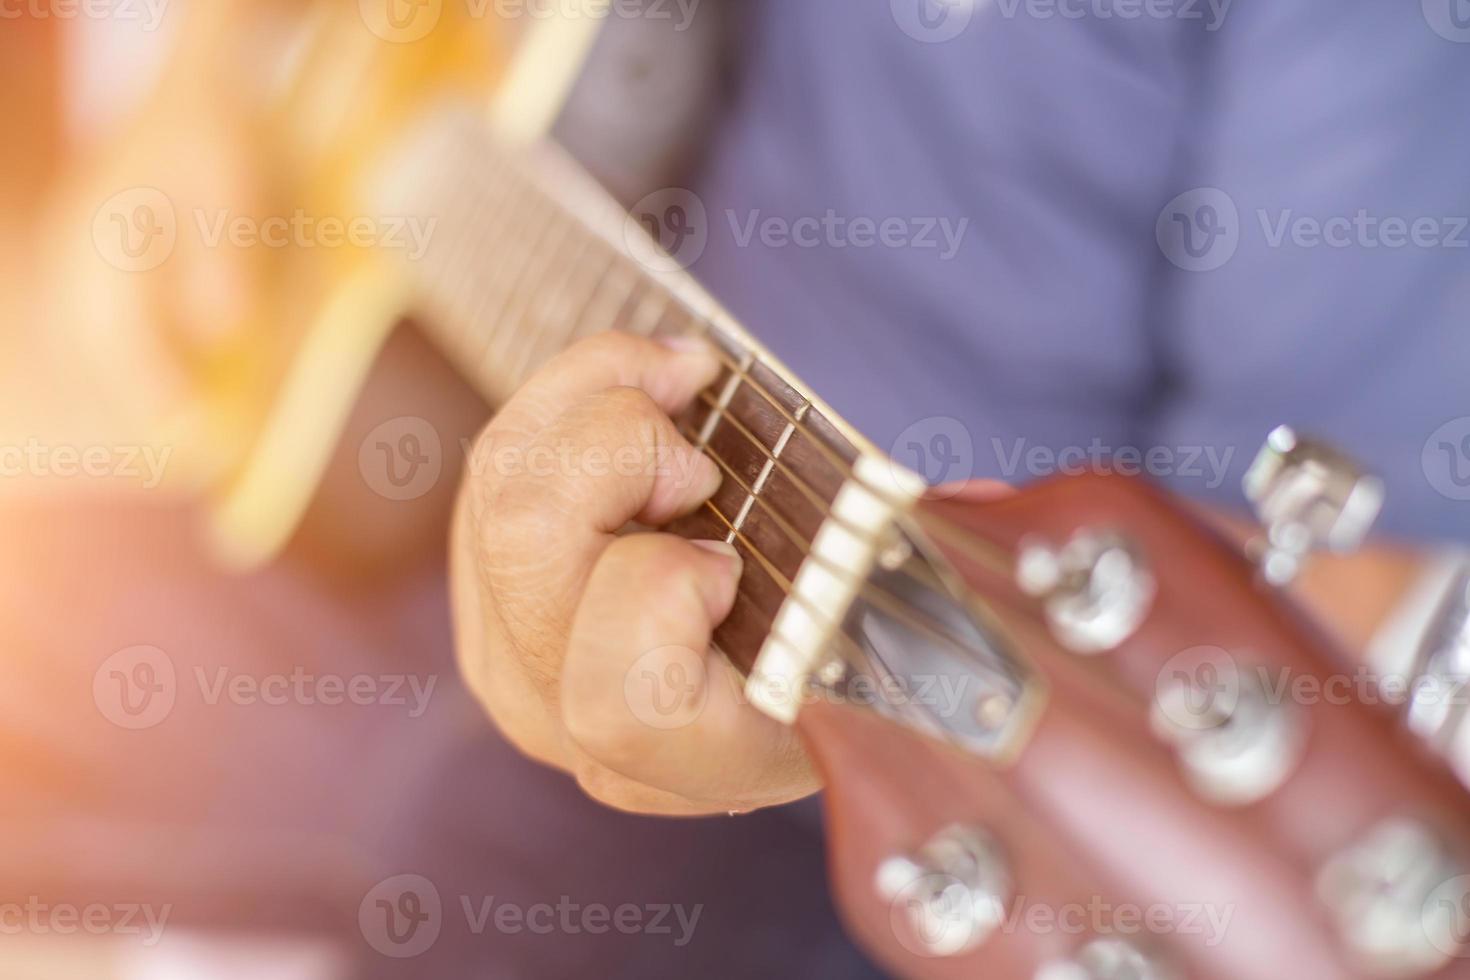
pixel 953 892
pixel 1307 495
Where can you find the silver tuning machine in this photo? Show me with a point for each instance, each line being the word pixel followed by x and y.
pixel 1307 496
pixel 1097 588
pixel 951 895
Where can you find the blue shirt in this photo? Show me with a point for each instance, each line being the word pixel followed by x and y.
pixel 1054 232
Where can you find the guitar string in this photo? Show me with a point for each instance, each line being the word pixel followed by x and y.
pixel 984 552
pixel 633 299
pixel 895 604
pixel 522 211
pixel 975 545
pixel 882 598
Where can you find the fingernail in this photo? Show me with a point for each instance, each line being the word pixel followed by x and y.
pixel 685 343
pixel 708 478
pixel 723 548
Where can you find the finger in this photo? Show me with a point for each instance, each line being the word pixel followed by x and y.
pixel 670 370
pixel 546 516
pixel 518 708
pixel 645 695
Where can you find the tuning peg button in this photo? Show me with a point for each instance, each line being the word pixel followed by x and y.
pixel 1308 495
pixel 1097 589
pixel 949 896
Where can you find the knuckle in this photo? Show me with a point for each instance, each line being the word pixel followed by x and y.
pixel 631 406
pixel 512 525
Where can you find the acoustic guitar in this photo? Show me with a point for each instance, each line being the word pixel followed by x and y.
pixel 1061 732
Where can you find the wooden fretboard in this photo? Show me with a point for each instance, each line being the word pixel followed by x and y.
pixel 529 255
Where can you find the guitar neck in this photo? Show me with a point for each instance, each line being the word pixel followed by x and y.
pixel 529 255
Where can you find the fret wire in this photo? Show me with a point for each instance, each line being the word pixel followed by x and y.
pixel 452 280
pixel 503 222
pixel 515 220
pixel 800 483
pixel 999 566
pixel 999 558
pixel 593 284
pixel 783 583
pixel 867 589
pixel 512 320
pixel 643 324
pixel 796 537
pixel 520 269
pixel 616 273
pixel 540 314
pixel 462 263
pixel 712 424
pixel 626 307
pixel 523 197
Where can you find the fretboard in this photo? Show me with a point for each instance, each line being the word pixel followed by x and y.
pixel 530 255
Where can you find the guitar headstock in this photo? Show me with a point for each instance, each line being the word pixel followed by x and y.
pixel 1176 795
